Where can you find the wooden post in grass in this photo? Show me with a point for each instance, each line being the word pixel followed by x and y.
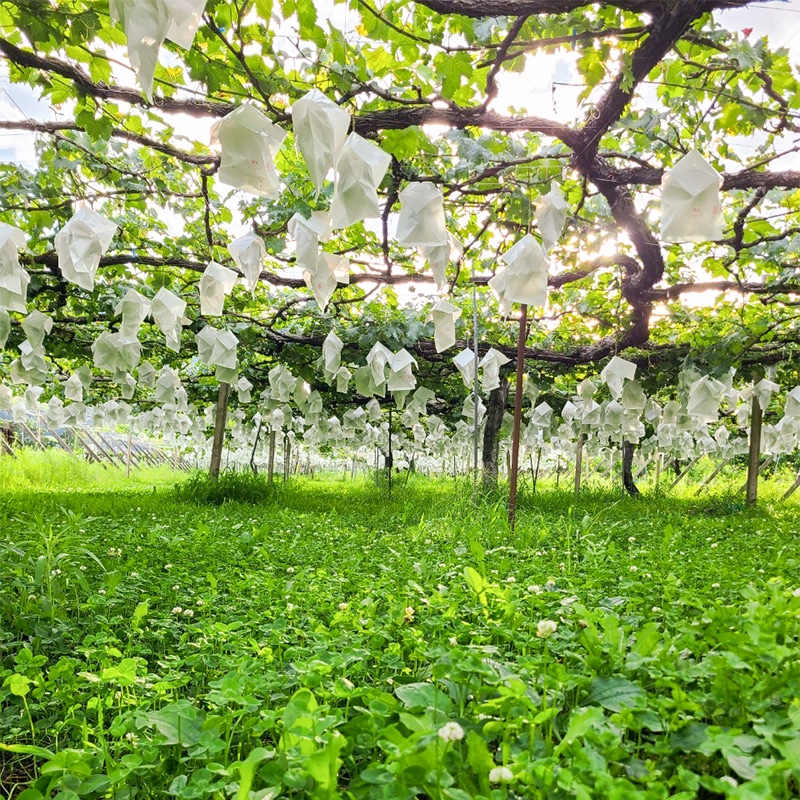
pixel 713 475
pixel 578 462
pixel 536 471
pixel 287 456
pixel 512 495
pixel 685 472
pixel 271 461
pixel 128 455
pixel 220 420
pixel 793 488
pixel 253 466
pixel 390 457
pixel 754 455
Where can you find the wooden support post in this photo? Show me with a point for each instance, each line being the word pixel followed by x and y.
pixel 111 450
pixel 522 337
pixel 145 453
pixel 271 459
pixel 536 471
pixel 128 454
pixel 754 455
pixel 5 445
pixel 88 449
pixel 761 467
pixel 793 488
pixel 287 456
pixel 62 443
pixel 685 471
pixel 390 457
pixel 253 466
pixel 34 438
pixel 98 446
pixel 713 475
pixel 578 462
pixel 220 420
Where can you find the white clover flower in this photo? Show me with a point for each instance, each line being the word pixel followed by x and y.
pixel 177 610
pixel 796 592
pixel 511 579
pixel 188 613
pixel 451 732
pixel 715 586
pixel 535 588
pixel 453 641
pixel 656 609
pixel 290 606
pixel 101 591
pixel 175 587
pixel 634 568
pixel 631 539
pixel 290 570
pixel 545 628
pixel 500 775
pixel 342 606
pixel 408 614
pixel 167 566
pixel 134 574
pixel 715 544
pixel 201 602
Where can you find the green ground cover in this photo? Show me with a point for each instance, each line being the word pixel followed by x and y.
pixel 331 642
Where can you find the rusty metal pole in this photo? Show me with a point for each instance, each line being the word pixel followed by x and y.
pixel 512 496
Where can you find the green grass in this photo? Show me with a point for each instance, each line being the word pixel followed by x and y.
pixel 317 644
pixel 55 470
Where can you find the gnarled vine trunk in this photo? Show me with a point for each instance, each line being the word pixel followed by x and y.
pixel 491 434
pixel 628 449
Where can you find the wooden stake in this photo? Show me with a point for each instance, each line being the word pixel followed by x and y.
pixel 219 430
pixel 793 488
pixel 578 462
pixel 390 457
pixel 685 472
pixel 512 496
pixel 271 462
pixel 255 445
pixel 754 456
pixel 128 455
pixel 713 475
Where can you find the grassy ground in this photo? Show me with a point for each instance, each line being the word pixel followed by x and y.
pixel 333 642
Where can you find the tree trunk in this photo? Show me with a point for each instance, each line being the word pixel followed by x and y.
pixel 754 455
pixel 491 434
pixel 628 449
pixel 219 430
